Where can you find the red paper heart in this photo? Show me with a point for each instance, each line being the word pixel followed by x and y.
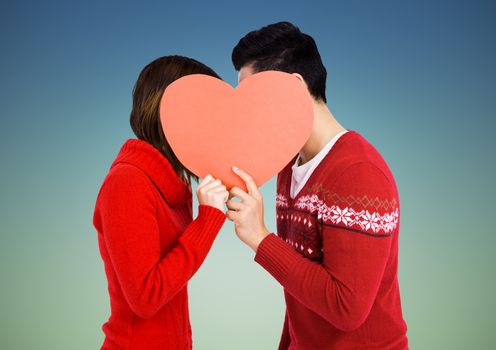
pixel 259 126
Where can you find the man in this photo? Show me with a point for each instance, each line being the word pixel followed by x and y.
pixel 335 251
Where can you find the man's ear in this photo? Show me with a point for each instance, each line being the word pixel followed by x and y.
pixel 298 75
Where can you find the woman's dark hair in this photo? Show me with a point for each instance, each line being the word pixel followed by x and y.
pixel 147 93
pixel 282 46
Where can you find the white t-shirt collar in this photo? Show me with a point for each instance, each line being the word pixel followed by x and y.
pixel 300 174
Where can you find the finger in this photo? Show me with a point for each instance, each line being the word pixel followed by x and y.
pixel 232 215
pixel 238 192
pixel 207 179
pixel 250 183
pixel 220 190
pixel 234 205
pixel 211 185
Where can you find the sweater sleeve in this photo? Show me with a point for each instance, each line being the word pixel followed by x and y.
pixel 356 237
pixel 148 277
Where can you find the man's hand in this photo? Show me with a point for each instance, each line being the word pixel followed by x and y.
pixel 247 215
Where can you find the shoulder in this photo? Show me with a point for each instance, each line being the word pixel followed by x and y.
pixel 364 176
pixel 355 190
pixel 125 174
pixel 125 181
pixel 360 199
pixel 356 157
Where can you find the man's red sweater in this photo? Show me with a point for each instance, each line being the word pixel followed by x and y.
pixel 150 247
pixel 336 253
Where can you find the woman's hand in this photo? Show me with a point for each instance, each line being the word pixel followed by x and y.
pixel 212 192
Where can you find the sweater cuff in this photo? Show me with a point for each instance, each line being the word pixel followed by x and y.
pixel 209 220
pixel 275 256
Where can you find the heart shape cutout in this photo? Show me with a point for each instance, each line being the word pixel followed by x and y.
pixel 259 126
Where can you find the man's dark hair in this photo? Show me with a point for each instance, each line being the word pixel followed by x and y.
pixel 283 47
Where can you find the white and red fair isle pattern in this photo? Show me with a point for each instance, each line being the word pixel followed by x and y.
pixel 281 201
pixel 359 219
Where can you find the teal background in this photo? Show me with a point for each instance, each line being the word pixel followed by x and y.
pixel 417 79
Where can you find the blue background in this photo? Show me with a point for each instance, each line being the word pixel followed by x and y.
pixel 416 78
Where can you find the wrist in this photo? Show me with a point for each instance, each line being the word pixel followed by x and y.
pixel 211 206
pixel 259 238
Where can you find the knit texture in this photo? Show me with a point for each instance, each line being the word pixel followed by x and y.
pixel 336 253
pixel 150 247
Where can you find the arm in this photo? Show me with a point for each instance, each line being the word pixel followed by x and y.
pixel 342 288
pixel 149 279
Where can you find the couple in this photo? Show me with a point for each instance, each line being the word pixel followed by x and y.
pixel 335 251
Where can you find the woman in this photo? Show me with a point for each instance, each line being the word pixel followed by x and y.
pixel 149 243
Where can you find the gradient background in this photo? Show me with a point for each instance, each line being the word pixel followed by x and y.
pixel 416 78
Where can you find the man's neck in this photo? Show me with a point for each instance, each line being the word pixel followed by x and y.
pixel 325 127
